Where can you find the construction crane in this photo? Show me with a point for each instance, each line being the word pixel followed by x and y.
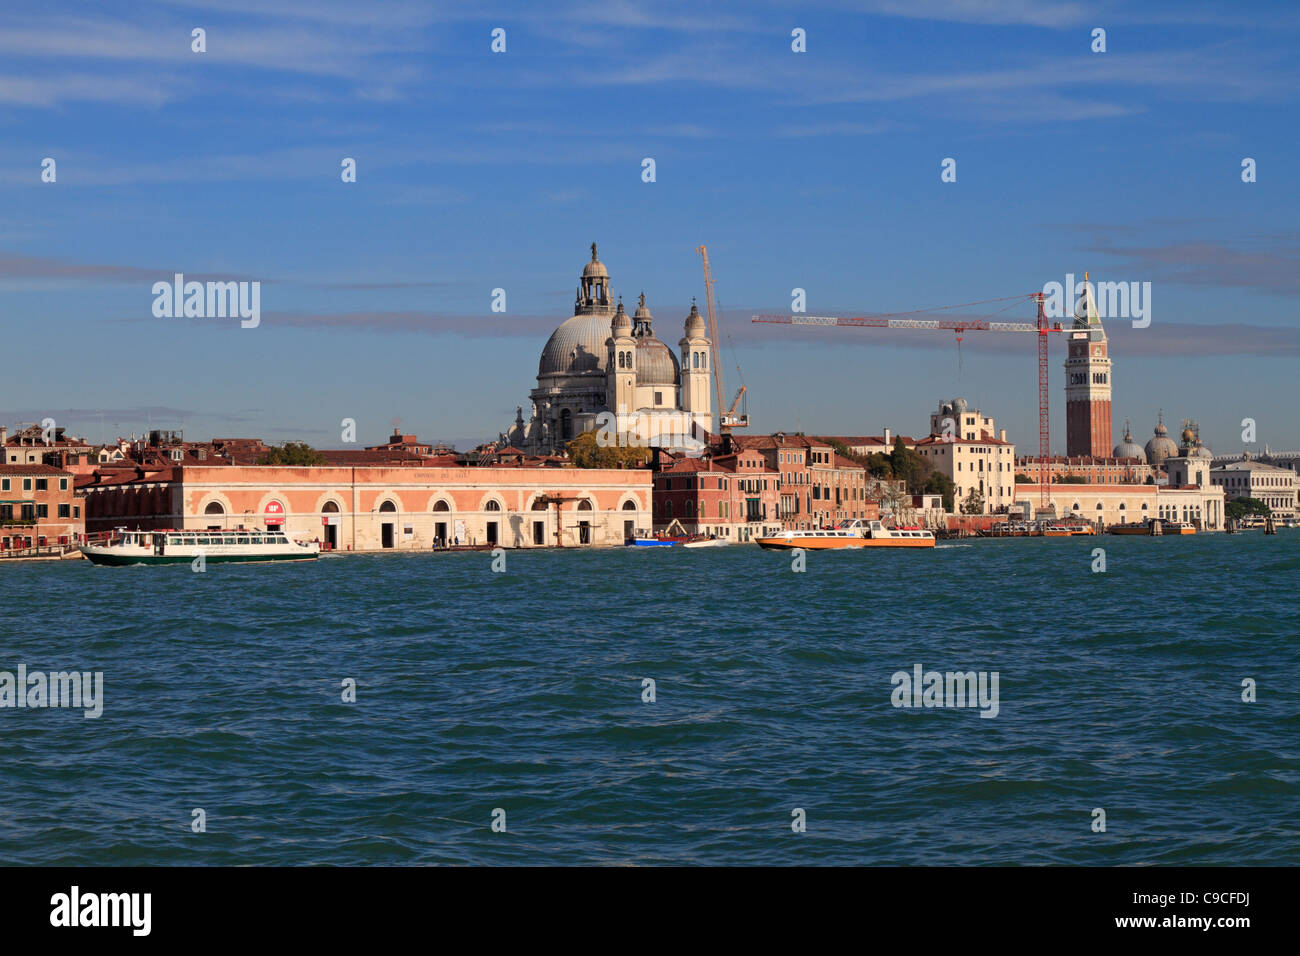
pixel 727 420
pixel 895 320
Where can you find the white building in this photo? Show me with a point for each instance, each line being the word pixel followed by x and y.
pixel 1248 478
pixel 985 465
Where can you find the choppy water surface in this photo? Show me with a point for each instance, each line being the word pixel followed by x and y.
pixel 523 691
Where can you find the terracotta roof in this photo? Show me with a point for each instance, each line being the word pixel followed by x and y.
pixel 770 441
pixel 941 440
pixel 686 465
pixel 32 470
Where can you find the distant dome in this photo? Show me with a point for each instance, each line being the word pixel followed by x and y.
pixel 694 323
pixel 655 362
pixel 1128 448
pixel 595 268
pixel 1161 446
pixel 642 312
pixel 1189 436
pixel 1199 451
pixel 621 325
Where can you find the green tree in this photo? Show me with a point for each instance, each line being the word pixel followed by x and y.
pixel 878 465
pixel 293 453
pixel 937 483
pixel 1238 508
pixel 1070 480
pixel 1023 479
pixel 973 503
pixel 908 466
pixel 585 452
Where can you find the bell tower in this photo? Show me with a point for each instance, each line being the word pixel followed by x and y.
pixel 697 359
pixel 620 366
pixel 1088 430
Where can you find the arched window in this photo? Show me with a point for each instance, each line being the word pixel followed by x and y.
pixel 690 507
pixel 329 508
pixel 539 505
pixel 566 425
pixel 696 359
pixel 622 360
pixel 1099 508
pixel 492 506
pixel 1123 506
pixel 387 508
pixel 441 506
pixel 584 505
pixel 629 506
pixel 214 508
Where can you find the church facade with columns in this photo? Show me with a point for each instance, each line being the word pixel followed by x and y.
pixel 603 368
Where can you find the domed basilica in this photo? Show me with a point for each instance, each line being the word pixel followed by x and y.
pixel 603 360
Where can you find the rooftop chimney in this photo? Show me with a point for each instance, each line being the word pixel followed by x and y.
pixel 887 442
pixel 1002 434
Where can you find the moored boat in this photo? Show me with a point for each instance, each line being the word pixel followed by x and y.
pixel 172 546
pixel 705 541
pixel 852 534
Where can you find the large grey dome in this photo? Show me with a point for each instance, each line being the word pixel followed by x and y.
pixel 576 347
pixel 655 362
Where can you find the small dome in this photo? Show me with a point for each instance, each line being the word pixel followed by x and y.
pixel 1199 451
pixel 1189 436
pixel 694 323
pixel 621 325
pixel 655 362
pixel 642 313
pixel 595 269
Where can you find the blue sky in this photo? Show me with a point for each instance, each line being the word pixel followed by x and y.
pixel 817 170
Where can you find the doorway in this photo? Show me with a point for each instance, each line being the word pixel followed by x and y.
pixel 492 533
pixel 539 532
pixel 386 535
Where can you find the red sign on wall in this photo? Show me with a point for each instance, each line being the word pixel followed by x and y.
pixel 274 513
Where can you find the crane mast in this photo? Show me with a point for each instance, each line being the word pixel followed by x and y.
pixel 727 417
pixel 1041 327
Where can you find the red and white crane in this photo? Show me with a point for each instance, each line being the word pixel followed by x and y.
pixel 896 320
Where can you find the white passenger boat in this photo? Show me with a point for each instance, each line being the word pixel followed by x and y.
pixel 852 534
pixel 178 547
